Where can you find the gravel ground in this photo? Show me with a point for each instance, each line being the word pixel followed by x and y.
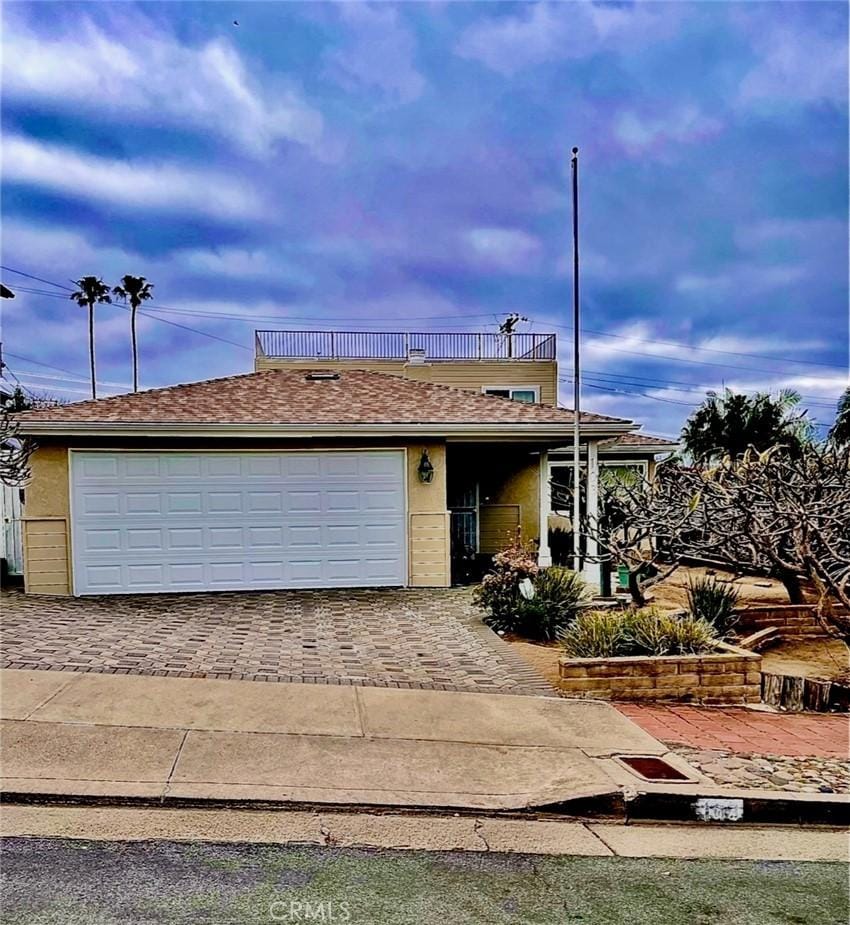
pixel 48 881
pixel 770 772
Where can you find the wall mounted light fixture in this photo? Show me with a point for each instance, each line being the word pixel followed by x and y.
pixel 426 468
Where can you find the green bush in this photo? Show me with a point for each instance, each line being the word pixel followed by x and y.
pixel 595 634
pixel 559 594
pixel 498 592
pixel 552 598
pixel 714 603
pixel 607 634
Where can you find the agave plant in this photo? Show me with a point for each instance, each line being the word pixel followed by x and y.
pixel 714 603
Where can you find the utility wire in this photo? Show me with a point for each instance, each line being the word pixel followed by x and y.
pixel 325 321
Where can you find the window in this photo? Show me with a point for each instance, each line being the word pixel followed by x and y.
pixel 527 394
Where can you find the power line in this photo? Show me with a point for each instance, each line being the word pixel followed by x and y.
pixel 733 353
pixel 174 324
pixel 669 401
pixel 78 377
pixel 247 319
pixel 30 276
pixel 673 359
pixel 670 385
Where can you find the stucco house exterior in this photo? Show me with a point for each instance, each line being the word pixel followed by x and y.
pixel 343 460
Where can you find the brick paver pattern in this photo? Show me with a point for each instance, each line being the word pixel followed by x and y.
pixel 424 639
pixel 742 731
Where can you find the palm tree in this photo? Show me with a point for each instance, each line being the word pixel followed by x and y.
pixel 839 434
pixel 731 423
pixel 91 291
pixel 135 290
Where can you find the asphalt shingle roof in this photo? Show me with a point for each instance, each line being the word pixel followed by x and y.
pixel 639 440
pixel 289 396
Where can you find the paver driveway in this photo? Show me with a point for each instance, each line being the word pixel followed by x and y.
pixel 430 639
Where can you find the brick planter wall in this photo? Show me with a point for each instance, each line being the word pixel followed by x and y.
pixel 793 620
pixel 730 675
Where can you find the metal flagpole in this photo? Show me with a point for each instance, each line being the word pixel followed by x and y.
pixel 576 378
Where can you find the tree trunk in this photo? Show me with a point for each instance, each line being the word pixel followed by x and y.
pixel 135 349
pixel 791 583
pixel 91 350
pixel 635 589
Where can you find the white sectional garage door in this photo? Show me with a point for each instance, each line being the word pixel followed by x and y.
pixel 184 521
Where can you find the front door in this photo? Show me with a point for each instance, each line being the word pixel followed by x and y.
pixel 462 493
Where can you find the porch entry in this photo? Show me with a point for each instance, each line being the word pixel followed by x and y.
pixel 479 527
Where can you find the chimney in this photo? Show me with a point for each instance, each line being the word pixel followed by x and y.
pixel 416 356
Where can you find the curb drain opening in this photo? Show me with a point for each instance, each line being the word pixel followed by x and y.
pixel 653 769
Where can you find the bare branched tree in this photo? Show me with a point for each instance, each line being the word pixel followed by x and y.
pixel 15 452
pixel 777 514
pixel 641 523
pixel 790 514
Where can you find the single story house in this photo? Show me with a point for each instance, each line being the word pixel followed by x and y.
pixel 314 471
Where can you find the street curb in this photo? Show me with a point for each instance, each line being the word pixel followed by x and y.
pixel 779 809
pixel 715 809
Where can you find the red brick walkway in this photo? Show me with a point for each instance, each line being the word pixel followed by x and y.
pixel 734 729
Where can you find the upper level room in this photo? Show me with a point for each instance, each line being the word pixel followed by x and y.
pixel 520 366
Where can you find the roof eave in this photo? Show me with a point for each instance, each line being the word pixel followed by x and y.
pixel 631 449
pixel 541 430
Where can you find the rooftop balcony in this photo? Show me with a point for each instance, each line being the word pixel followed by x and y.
pixel 412 346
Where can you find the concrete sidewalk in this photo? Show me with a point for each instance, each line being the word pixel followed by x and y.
pixel 164 739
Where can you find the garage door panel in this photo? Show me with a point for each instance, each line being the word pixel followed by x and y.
pixel 262 466
pixel 143 539
pixel 186 574
pixel 144 466
pixel 265 502
pixel 339 501
pixel 303 502
pixel 181 502
pixel 102 540
pixel 186 538
pixel 149 523
pixel 101 503
pixel 145 575
pixel 265 538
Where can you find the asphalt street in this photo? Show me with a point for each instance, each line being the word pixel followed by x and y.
pixel 52 880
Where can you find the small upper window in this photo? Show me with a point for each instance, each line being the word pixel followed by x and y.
pixel 518 393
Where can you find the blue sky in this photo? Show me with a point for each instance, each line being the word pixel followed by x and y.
pixel 407 167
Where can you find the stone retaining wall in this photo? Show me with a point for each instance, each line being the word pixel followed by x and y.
pixel 730 675
pixel 792 620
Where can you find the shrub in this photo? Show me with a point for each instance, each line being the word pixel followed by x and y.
pixel 606 634
pixel 653 633
pixel 498 592
pixel 558 595
pixel 714 603
pixel 595 634
pixel 522 598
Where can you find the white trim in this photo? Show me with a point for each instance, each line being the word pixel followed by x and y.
pixel 607 463
pixel 499 430
pixel 544 554
pixel 591 571
pixel 487 389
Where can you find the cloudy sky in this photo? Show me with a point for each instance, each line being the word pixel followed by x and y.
pixel 364 166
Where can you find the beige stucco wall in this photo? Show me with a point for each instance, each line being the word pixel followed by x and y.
pixel 47 568
pixel 428 519
pixel 46 524
pixel 472 374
